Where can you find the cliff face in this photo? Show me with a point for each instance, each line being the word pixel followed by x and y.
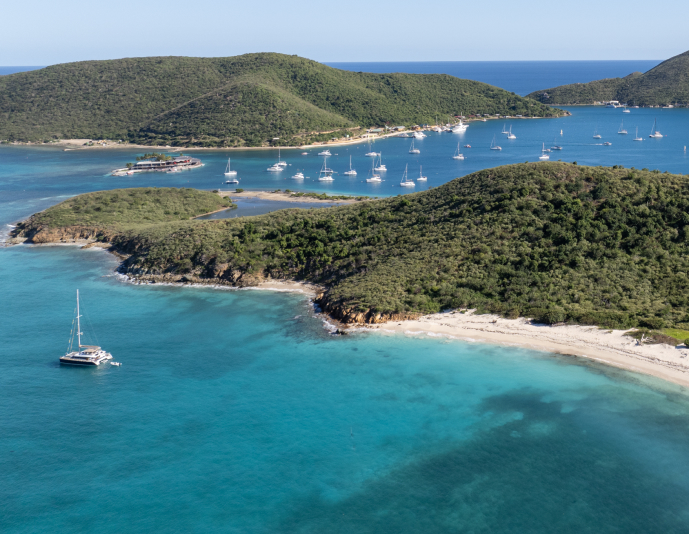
pixel 67 234
pixel 349 315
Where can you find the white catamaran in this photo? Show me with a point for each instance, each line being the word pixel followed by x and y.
pixel 84 354
pixel 325 174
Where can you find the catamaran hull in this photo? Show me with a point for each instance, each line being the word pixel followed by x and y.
pixel 81 364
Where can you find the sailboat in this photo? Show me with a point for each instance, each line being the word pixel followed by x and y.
pixel 230 172
pixel 325 174
pixel 543 155
pixel 626 110
pixel 622 130
pixel 504 129
pixel 413 150
pixel 375 178
pixel 596 135
pixel 406 182
pixel 84 354
pixel 494 146
pixel 370 152
pixel 637 138
pixel 280 163
pixel 380 166
pixel 325 153
pixel 654 130
pixel 458 154
pixel 421 177
pixel 350 172
pixel 510 135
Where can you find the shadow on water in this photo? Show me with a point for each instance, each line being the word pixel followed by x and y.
pixel 542 471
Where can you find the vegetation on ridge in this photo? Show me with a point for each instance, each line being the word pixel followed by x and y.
pixel 119 209
pixel 552 241
pixel 237 101
pixel 667 83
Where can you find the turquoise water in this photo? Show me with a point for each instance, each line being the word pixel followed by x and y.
pixel 50 171
pixel 237 411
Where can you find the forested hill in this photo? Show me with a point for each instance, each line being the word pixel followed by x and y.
pixel 551 241
pixel 667 83
pixel 234 101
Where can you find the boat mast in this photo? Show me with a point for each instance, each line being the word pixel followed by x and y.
pixel 78 321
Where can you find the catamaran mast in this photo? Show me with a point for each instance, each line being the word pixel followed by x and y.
pixel 78 321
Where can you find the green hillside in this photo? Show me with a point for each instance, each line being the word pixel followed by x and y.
pixel 553 241
pixel 234 101
pixel 120 209
pixel 667 83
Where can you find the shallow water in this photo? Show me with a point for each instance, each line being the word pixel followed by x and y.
pixel 237 411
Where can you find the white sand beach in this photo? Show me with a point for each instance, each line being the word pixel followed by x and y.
pixel 611 347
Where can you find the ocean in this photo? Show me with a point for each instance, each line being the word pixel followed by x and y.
pixel 238 411
pixel 521 77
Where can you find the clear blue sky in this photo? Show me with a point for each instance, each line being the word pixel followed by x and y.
pixel 44 33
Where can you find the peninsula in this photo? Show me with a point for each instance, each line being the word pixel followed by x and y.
pixel 665 84
pixel 251 100
pixel 551 241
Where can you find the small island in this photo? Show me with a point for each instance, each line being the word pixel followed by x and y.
pixel 158 162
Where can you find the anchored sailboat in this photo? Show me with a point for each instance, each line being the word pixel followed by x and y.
pixel 84 354
pixel 421 177
pixel 543 155
pixel 637 138
pixel 350 172
pixel 622 130
pixel 494 146
pixel 325 174
pixel 375 178
pixel 654 130
pixel 458 154
pixel 406 182
pixel 413 150
pixel 510 135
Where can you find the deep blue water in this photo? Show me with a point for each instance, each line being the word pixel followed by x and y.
pixel 237 411
pixel 521 77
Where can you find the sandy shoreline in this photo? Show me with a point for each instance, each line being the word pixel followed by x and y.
pixel 285 197
pixel 610 347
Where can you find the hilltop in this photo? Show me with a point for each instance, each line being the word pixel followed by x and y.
pixel 236 101
pixel 552 241
pixel 667 83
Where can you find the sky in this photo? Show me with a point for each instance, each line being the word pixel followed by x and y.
pixel 45 33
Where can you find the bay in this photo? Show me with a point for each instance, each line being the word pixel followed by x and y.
pixel 237 411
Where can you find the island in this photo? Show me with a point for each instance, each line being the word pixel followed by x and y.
pixel 252 100
pixel 666 84
pixel 510 248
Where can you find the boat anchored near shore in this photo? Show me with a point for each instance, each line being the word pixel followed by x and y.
pixel 88 355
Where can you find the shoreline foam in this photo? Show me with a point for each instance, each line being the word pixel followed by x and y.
pixel 611 347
